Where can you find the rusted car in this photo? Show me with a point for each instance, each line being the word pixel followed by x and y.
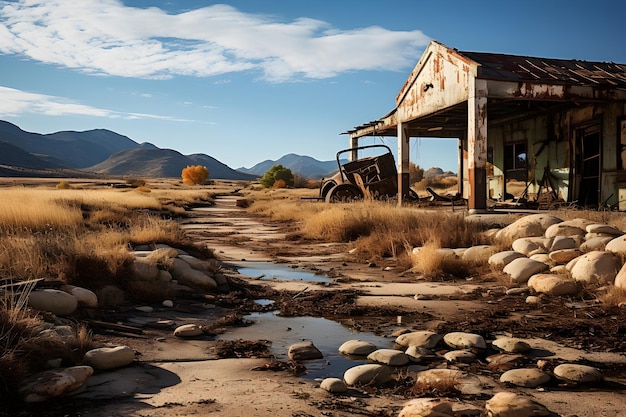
pixel 372 177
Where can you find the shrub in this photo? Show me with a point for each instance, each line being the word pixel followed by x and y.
pixel 275 173
pixel 64 185
pixel 279 184
pixel 195 174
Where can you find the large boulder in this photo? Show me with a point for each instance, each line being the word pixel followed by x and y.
pixel 424 338
pixel 371 373
pixel 553 284
pixel 427 407
pixel 525 377
pixel 509 404
pixel 617 245
pixel 462 340
pixel 184 273
pixel 53 301
pixel 391 357
pixel 110 357
pixel 531 225
pixel 596 267
pixel 521 269
pixel 576 373
pixel 357 347
pixel 531 245
pixel 501 259
pixel 304 351
pixel 85 297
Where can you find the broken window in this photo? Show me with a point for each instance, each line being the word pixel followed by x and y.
pixel 515 162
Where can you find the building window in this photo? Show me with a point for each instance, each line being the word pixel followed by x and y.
pixel 515 162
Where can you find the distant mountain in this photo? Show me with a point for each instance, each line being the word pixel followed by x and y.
pixel 436 171
pixel 99 151
pixel 150 161
pixel 303 165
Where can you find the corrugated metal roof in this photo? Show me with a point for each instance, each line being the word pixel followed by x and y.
pixel 548 70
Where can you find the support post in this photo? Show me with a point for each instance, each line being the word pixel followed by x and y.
pixel 477 146
pixel 354 143
pixel 403 162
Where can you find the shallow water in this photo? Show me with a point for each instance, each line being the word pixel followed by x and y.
pixel 279 272
pixel 326 335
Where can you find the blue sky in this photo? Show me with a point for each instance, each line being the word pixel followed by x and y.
pixel 250 80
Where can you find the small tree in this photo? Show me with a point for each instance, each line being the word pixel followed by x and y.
pixel 277 172
pixel 195 174
pixel 416 174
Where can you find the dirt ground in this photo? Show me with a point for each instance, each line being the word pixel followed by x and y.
pixel 207 376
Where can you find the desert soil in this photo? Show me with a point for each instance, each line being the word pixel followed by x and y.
pixel 208 376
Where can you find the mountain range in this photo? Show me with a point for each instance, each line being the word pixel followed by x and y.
pixel 103 152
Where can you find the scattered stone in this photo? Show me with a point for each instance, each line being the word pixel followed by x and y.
pixel 478 253
pixel 168 303
pixel 144 309
pixel 509 404
pixel 563 256
pixel 501 259
pixel 85 297
pixel 184 273
pixel 523 268
pixel 463 356
pixel 54 383
pixel 462 340
pixel 357 348
pixel 444 379
pixel 525 377
pixel 371 373
pixel 578 373
pixel 391 357
pixel 503 361
pixel 527 245
pixel 427 407
pixel 334 385
pixel 511 344
pixel 304 351
pixel 188 330
pixel 53 301
pixel 517 291
pixel 109 357
pixel 418 353
pixel 596 267
pixel 424 338
pixel 552 284
pixel 533 300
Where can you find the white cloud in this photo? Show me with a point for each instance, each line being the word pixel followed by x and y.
pixel 17 102
pixel 106 37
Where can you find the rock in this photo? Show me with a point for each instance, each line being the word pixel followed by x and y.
pixel 422 338
pixel 357 348
pixel 371 373
pixel 541 257
pixel 167 303
pixel 164 276
pixel 559 270
pixel 503 361
pixel 146 269
pixel 617 245
pixel 596 267
pixel 603 228
pixel 478 253
pixel 427 407
pixel 304 351
pixel 563 256
pixel 511 345
pixel 533 300
pixel 523 268
pixel 85 297
pixel 595 243
pixel 391 357
pixel 334 385
pixel 525 377
pixel 418 353
pixel 563 229
pixel 620 278
pixel 110 296
pixel 184 273
pixel 54 383
pixel 445 379
pixel 578 373
pixel 531 225
pixel 188 330
pixel 509 404
pixel 53 301
pixel 527 245
pixel 62 333
pixel 501 259
pixel 461 340
pixel 517 291
pixel 553 284
pixel 109 357
pixel 563 242
pixel 463 356
pixel 144 309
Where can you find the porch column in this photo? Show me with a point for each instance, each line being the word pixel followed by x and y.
pixel 477 145
pixel 403 162
pixel 354 142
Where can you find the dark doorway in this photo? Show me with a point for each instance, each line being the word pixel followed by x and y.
pixel 589 163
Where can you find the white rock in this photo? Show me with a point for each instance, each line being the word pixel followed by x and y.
pixel 462 340
pixel 303 351
pixel 528 245
pixel 595 243
pixel 462 381
pixel 564 229
pixel 371 373
pixel 541 257
pixel 423 338
pixel 418 353
pixel 85 297
pixel 553 284
pixel 617 245
pixel 509 404
pixel 530 225
pixel 478 253
pixel 144 309
pixel 501 259
pixel 357 347
pixel 559 270
pixel 603 228
pixel 523 268
pixel 463 356
pixel 53 301
pixel 54 383
pixel 334 385
pixel 184 273
pixel 525 377
pixel 596 267
pixel 533 300
pixel 168 303
pixel 578 373
pixel 391 357
pixel 511 344
pixel 188 330
pixel 427 407
pixel 563 256
pixel 109 357
pixel 563 242
pixel 620 278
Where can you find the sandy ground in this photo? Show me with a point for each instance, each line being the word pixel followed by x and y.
pixel 174 377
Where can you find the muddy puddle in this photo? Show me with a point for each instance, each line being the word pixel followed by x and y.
pixel 281 272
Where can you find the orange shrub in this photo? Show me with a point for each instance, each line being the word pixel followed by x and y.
pixel 279 184
pixel 195 174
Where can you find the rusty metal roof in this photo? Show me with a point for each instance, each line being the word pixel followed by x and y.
pixel 548 70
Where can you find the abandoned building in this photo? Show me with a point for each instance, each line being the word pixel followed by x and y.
pixel 557 125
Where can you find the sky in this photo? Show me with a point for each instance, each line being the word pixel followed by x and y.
pixel 245 81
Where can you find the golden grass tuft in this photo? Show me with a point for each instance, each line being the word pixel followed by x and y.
pixel 614 297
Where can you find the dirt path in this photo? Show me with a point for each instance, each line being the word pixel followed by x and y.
pixel 175 377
